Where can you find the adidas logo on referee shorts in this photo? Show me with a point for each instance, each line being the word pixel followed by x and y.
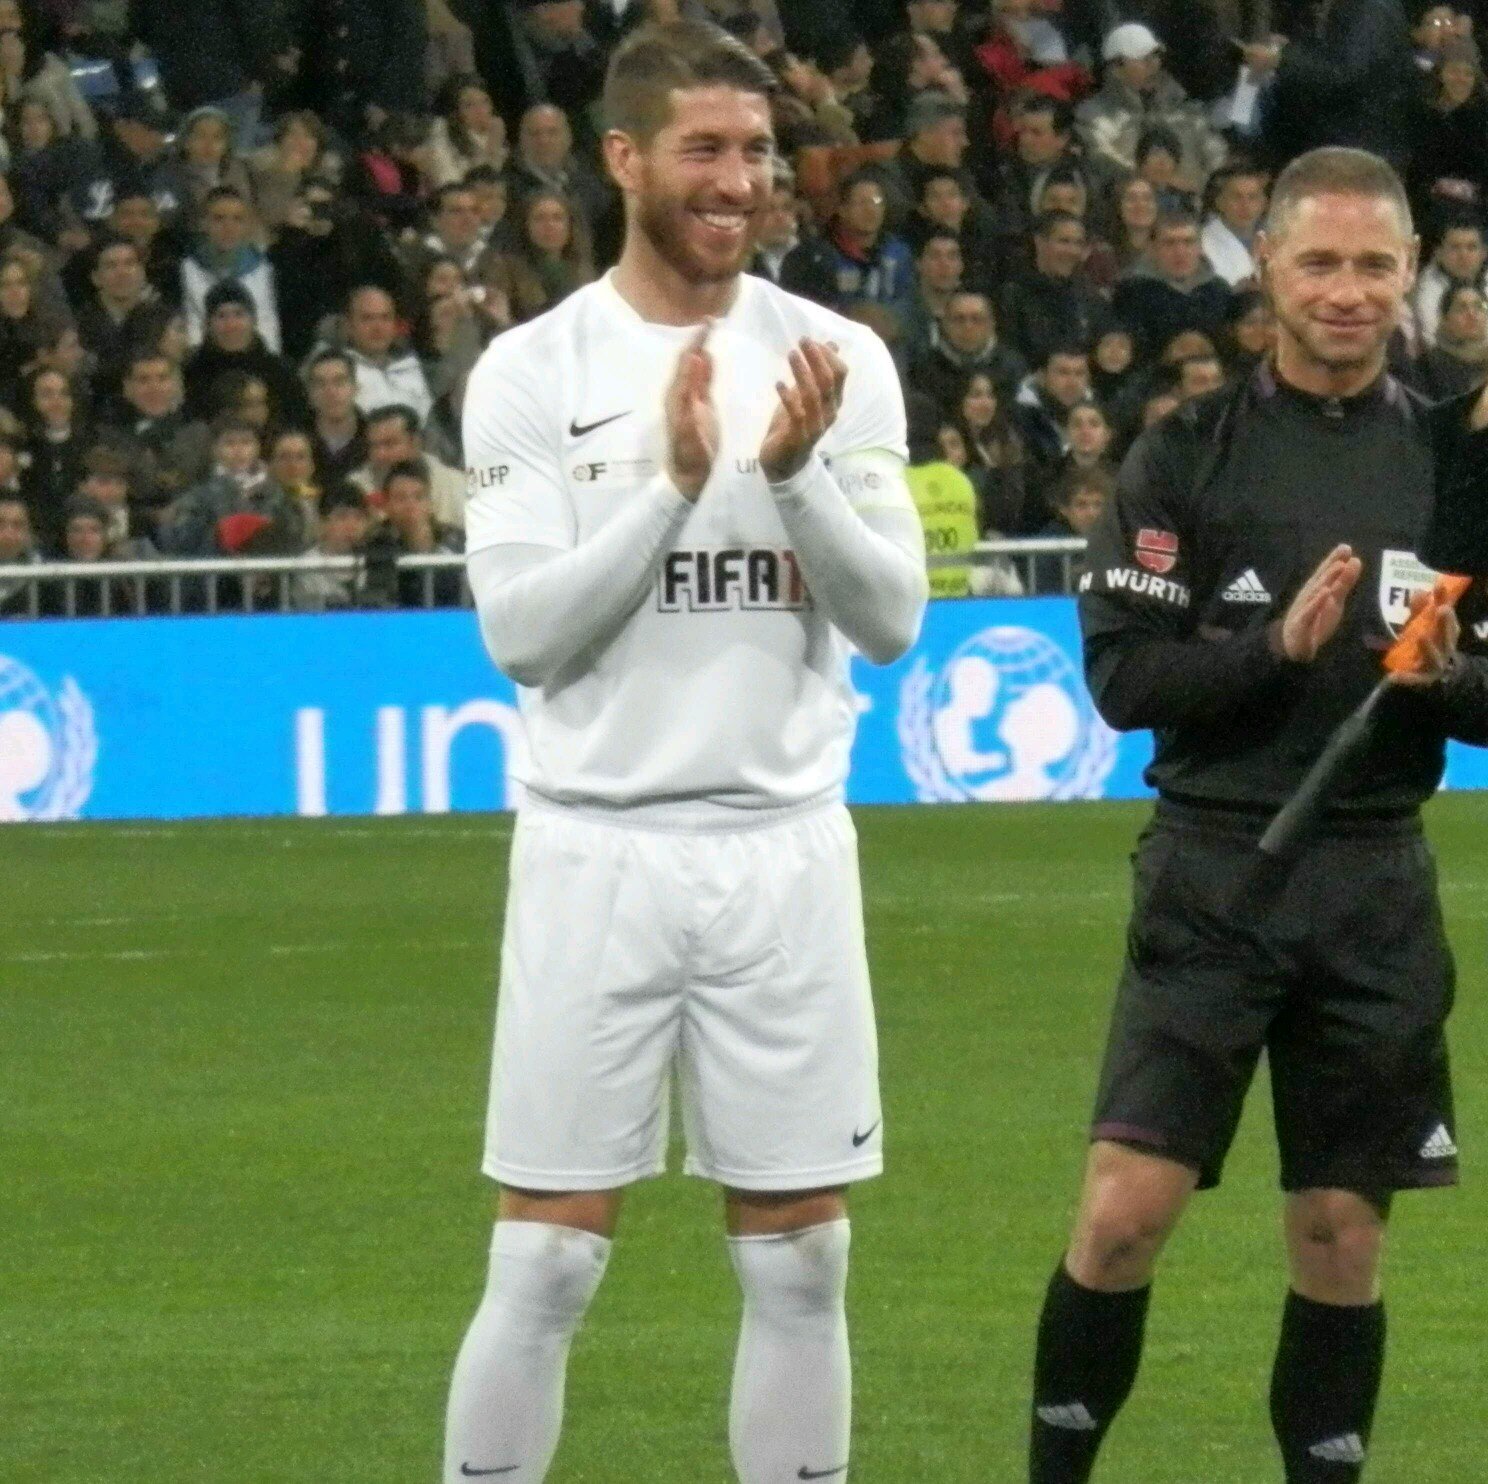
pixel 1073 1418
pixel 1347 1449
pixel 1439 1145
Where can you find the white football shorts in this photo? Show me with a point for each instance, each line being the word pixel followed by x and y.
pixel 734 961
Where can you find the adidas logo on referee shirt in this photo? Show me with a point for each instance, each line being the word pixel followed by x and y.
pixel 1439 1145
pixel 1073 1418
pixel 1347 1449
pixel 1247 588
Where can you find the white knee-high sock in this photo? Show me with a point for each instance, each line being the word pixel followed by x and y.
pixel 506 1399
pixel 791 1414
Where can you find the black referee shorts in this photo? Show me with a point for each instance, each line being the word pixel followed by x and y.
pixel 1338 968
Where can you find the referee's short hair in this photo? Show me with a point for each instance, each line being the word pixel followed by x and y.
pixel 657 58
pixel 1336 171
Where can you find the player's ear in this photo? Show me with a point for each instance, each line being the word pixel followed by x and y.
pixel 622 156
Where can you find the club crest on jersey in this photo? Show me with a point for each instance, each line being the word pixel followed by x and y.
pixel 1402 575
pixel 732 577
pixel 1157 550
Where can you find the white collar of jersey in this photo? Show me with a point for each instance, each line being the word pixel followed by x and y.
pixel 679 333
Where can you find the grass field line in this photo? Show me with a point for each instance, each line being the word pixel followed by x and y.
pixel 274 950
pixel 101 955
pixel 306 832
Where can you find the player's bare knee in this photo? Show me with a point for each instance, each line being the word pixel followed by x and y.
pixel 1335 1242
pixel 596 1211
pixel 753 1213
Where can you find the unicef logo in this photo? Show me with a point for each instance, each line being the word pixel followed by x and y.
pixel 1006 717
pixel 47 747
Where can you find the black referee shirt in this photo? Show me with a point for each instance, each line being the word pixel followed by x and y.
pixel 1222 512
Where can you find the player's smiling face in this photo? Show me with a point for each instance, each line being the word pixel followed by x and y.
pixel 1337 275
pixel 702 185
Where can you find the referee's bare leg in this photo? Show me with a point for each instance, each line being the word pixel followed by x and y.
pixel 1090 1336
pixel 1095 1313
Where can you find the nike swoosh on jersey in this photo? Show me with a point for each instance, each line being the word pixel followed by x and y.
pixel 582 430
pixel 860 1139
pixel 470 1473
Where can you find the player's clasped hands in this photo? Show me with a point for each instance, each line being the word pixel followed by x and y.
pixel 1317 610
pixel 807 408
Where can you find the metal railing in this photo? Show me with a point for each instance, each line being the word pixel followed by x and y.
pixel 313 583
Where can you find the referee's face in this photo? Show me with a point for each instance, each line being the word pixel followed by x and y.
pixel 1337 275
pixel 701 187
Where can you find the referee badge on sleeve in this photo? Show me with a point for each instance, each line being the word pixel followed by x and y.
pixel 1157 550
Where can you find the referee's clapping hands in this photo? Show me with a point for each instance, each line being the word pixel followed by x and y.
pixel 1317 610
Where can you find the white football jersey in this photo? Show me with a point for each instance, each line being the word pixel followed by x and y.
pixel 726 687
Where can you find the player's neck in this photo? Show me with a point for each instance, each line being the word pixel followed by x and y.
pixel 661 295
pixel 1301 371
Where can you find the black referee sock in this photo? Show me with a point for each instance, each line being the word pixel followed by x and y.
pixel 1089 1348
pixel 1323 1391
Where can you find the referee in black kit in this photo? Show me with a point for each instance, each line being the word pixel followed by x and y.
pixel 1259 555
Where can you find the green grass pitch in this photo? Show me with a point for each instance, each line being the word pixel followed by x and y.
pixel 242 1078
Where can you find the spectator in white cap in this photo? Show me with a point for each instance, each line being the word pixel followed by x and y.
pixel 1138 92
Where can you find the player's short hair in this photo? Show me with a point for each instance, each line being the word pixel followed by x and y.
pixel 657 59
pixel 1335 171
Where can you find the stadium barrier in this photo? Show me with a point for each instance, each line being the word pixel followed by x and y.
pixel 176 586
pixel 398 713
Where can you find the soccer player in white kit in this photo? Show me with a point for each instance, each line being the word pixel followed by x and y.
pixel 687 503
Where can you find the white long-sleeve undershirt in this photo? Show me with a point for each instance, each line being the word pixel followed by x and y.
pixel 541 607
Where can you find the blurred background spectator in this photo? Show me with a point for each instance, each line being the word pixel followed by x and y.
pixel 244 278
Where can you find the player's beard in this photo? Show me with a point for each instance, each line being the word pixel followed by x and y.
pixel 665 221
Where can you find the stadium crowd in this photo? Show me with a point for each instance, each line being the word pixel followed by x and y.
pixel 251 249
